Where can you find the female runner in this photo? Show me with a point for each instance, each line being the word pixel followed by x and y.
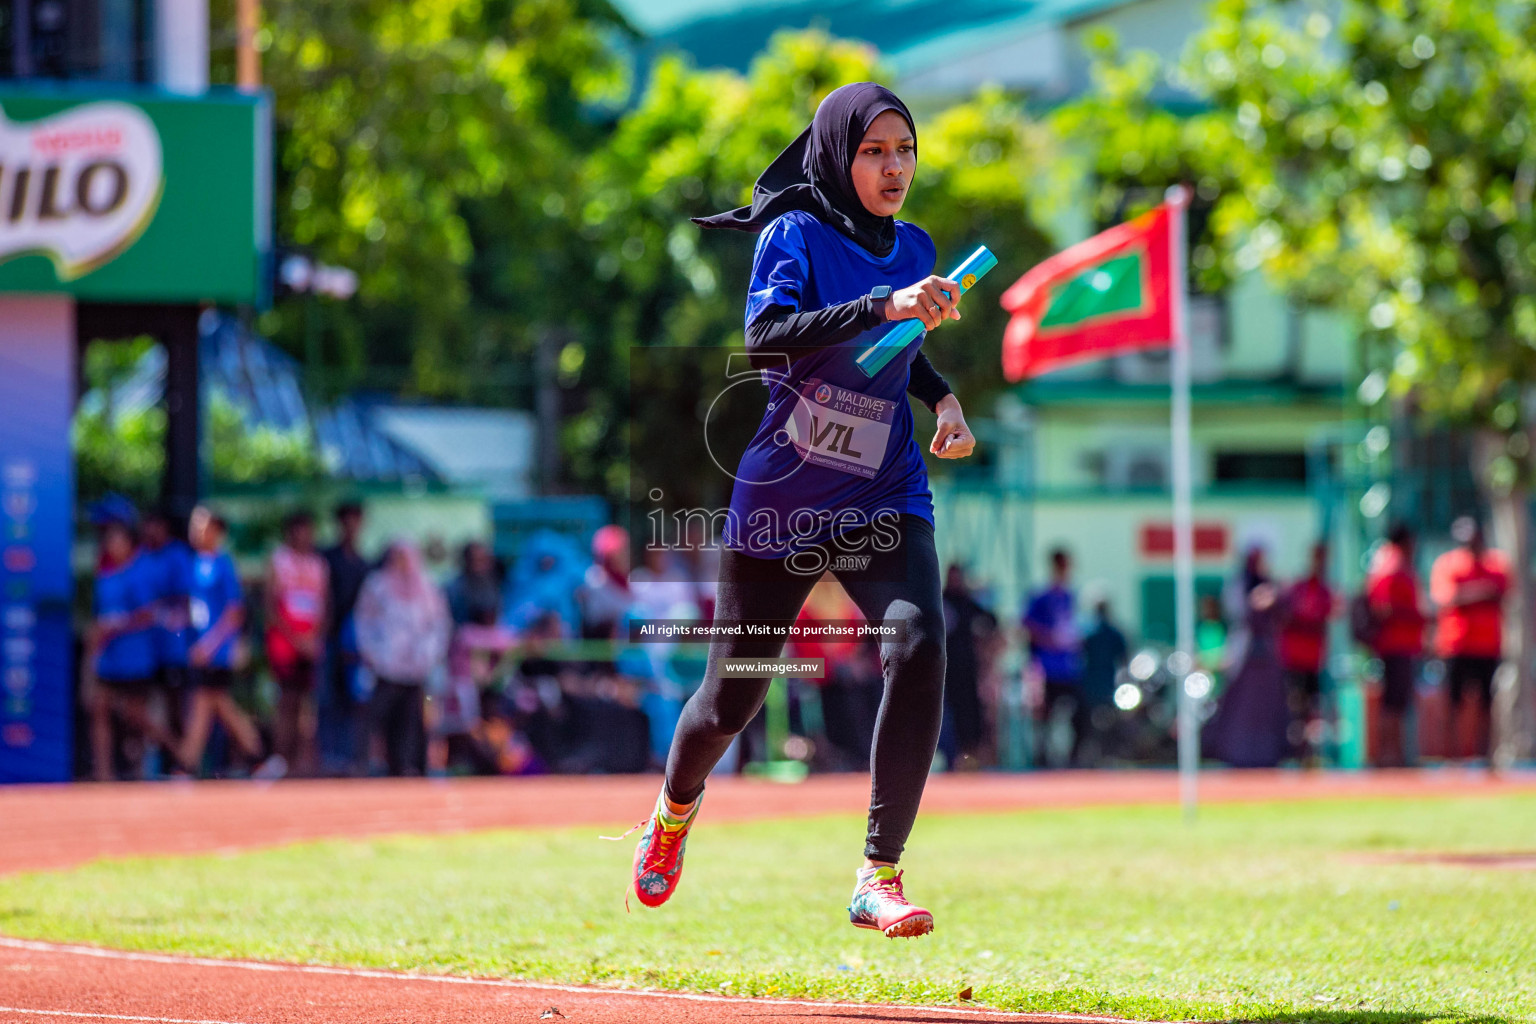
pixel 833 471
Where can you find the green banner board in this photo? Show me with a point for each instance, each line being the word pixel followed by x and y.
pixel 129 196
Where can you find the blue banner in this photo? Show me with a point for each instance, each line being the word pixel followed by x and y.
pixel 37 353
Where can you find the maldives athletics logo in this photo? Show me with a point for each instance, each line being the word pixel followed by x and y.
pixel 79 186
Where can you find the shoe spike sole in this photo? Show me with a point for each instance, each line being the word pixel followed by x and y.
pixel 910 928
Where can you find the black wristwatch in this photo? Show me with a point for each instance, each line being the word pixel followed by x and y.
pixel 880 293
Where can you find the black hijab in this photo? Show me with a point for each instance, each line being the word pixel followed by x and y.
pixel 814 172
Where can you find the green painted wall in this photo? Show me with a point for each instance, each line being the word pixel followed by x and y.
pixel 1004 540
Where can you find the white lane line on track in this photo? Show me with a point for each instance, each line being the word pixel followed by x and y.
pixel 32 945
pixel 87 1015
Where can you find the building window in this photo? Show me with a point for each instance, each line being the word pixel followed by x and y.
pixel 1261 468
pixel 97 40
pixel 1124 468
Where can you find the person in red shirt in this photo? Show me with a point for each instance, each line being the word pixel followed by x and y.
pixel 1468 584
pixel 1392 590
pixel 298 581
pixel 1308 604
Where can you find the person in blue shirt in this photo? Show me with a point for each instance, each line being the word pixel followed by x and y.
pixel 1057 646
pixel 217 616
pixel 121 655
pixel 169 561
pixel 833 478
pixel 1105 653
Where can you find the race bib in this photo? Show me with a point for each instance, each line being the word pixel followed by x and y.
pixel 840 429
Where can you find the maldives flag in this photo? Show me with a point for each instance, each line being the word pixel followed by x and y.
pixel 1113 293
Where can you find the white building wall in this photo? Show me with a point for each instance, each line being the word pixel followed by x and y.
pixel 1069 440
pixel 1004 541
pixel 1259 327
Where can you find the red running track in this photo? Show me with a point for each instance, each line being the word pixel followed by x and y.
pixel 40 982
pixel 48 827
pixel 45 828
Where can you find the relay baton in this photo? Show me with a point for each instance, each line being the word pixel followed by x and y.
pixel 874 358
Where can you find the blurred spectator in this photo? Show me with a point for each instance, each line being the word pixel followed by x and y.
pixel 168 560
pixel 964 622
pixel 545 579
pixel 217 616
pixel 579 715
pixel 665 587
pixel 402 635
pixel 1211 637
pixel 1248 729
pixel 297 585
pixel 1396 636
pixel 604 596
pixel 661 588
pixel 120 656
pixel 458 710
pixel 1105 652
pixel 475 594
pixel 537 703
pixel 604 730
pixel 1056 644
pixel 339 707
pixel 1468 584
pixel 1308 604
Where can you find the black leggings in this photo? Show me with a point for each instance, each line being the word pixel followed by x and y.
pixel 397 713
pixel 902 586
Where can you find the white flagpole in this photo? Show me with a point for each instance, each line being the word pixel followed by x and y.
pixel 1183 518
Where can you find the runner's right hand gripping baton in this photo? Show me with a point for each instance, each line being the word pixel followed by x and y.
pixel 874 358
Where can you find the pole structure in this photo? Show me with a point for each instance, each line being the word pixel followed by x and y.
pixel 1183 517
pixel 247 59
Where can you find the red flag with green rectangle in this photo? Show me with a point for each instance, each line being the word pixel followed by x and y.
pixel 1110 294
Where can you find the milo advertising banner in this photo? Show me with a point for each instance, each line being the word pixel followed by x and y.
pixel 124 198
pixel 110 197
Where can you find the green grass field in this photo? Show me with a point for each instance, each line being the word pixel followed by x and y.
pixel 1258 912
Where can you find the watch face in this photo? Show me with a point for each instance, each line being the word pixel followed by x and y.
pixel 880 291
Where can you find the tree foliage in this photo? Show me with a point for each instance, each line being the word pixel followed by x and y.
pixel 1403 169
pixel 397 125
pixel 123 449
pixel 1381 164
pixel 125 452
pixel 478 163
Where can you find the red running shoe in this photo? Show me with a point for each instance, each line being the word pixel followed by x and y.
pixel 659 857
pixel 879 903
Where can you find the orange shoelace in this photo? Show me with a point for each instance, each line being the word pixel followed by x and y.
pixel 890 888
pixel 666 848
pixel 670 838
